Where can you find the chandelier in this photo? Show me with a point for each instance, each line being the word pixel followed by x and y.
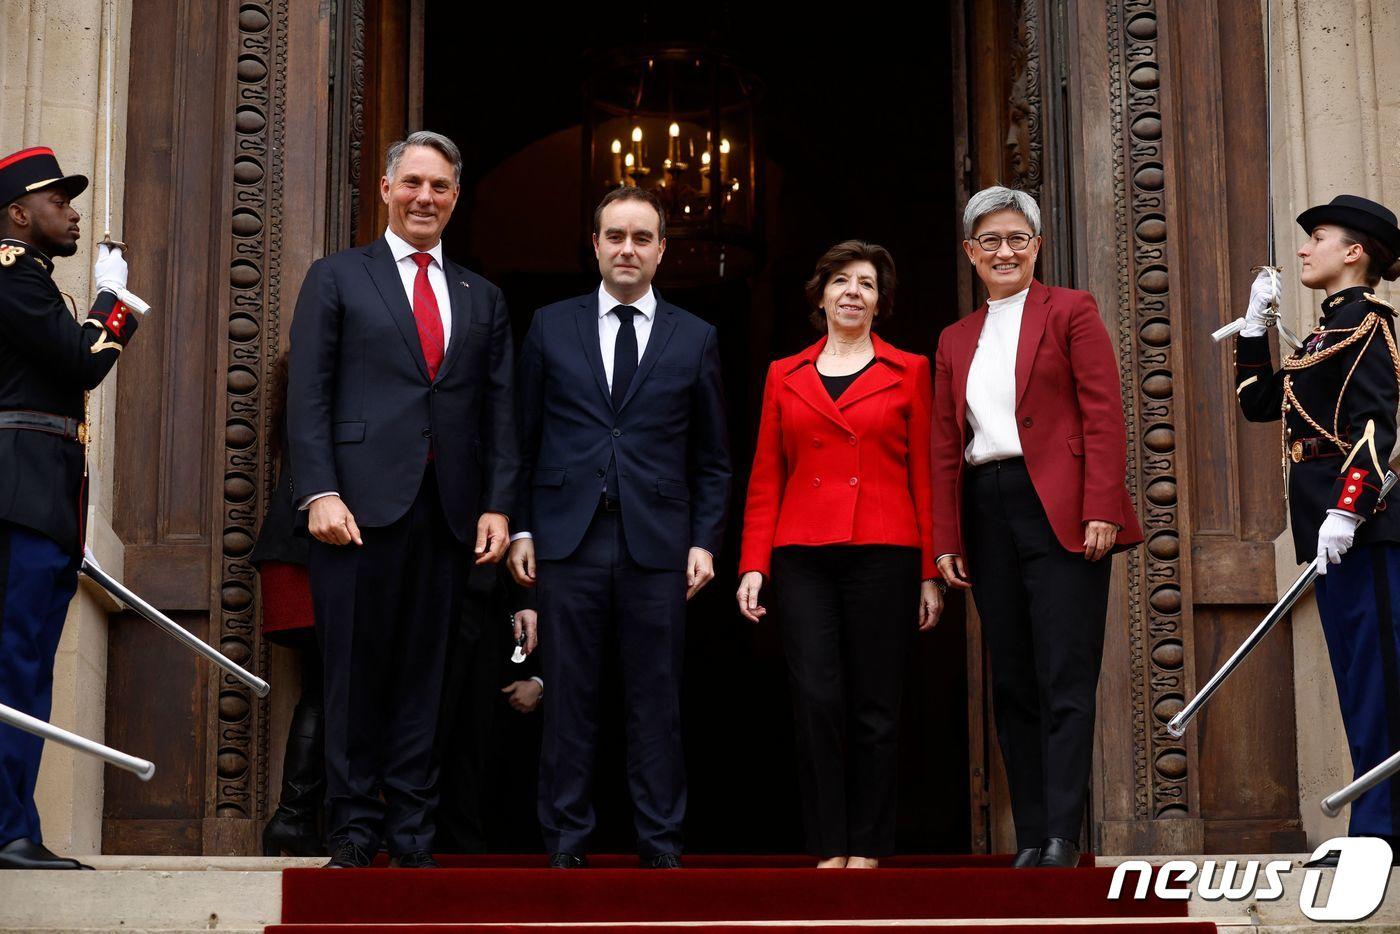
pixel 679 122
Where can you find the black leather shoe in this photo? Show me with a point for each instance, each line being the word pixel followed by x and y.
pixel 1027 858
pixel 663 861
pixel 26 854
pixel 348 855
pixel 567 861
pixel 418 859
pixel 1059 852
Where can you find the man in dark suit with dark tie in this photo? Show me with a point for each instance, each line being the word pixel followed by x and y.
pixel 624 444
pixel 402 435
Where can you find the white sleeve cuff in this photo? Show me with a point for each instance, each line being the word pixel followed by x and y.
pixel 308 500
pixel 519 535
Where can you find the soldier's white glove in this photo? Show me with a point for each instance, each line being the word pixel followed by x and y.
pixel 1263 296
pixel 1335 537
pixel 109 272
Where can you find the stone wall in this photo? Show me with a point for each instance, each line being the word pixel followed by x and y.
pixel 1335 110
pixel 52 93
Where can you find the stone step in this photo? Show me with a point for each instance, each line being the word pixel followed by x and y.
pixel 133 894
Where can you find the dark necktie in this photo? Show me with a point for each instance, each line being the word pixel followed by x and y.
pixel 624 354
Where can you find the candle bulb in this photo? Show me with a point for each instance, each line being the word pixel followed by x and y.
pixel 705 172
pixel 617 161
pixel 724 160
pixel 631 164
pixel 637 146
pixel 673 144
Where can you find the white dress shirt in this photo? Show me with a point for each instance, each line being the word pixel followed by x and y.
pixel 609 324
pixel 991 383
pixel 403 252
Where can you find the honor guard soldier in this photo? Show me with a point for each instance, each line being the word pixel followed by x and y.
pixel 48 361
pixel 1337 396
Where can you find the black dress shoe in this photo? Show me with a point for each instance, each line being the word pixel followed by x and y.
pixel 567 861
pixel 418 859
pixel 663 861
pixel 1026 858
pixel 348 855
pixel 1059 852
pixel 26 854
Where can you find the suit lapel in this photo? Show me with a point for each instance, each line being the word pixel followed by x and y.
pixel 379 261
pixel 663 325
pixel 1033 317
pixel 964 347
pixel 587 320
pixel 460 295
pixel 806 383
pixel 878 378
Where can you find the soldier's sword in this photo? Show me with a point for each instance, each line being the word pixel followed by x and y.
pixel 1177 725
pixel 1332 804
pixel 124 596
pixel 109 54
pixel 141 768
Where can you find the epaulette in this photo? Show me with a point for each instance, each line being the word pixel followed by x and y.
pixel 9 253
pixel 1377 300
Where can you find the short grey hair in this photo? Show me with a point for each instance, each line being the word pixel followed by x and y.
pixel 999 198
pixel 432 140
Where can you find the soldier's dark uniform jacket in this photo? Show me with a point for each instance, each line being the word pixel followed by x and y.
pixel 1337 396
pixel 48 360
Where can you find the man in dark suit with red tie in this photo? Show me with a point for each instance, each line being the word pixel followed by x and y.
pixel 624 441
pixel 402 436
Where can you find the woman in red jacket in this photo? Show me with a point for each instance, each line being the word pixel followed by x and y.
pixel 1029 459
pixel 838 516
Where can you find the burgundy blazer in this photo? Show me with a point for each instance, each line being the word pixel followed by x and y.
pixel 1069 411
pixel 851 471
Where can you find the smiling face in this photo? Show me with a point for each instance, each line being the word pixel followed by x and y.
pixel 1004 271
pixel 1329 262
pixel 851 297
pixel 46 219
pixel 420 196
pixel 628 248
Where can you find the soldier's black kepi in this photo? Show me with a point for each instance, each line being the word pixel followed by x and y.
pixel 1356 213
pixel 35 169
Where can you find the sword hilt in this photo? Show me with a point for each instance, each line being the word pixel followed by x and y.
pixel 108 242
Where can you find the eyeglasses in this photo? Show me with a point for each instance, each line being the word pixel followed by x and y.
pixel 992 242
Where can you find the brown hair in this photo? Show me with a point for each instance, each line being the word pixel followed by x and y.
pixel 841 255
pixel 1381 262
pixel 627 193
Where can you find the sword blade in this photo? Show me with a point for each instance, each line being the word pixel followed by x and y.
pixel 141 768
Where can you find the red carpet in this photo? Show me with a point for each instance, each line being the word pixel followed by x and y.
pixel 1170 927
pixel 524 896
pixel 726 861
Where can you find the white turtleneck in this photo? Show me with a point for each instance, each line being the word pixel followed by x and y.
pixel 991 383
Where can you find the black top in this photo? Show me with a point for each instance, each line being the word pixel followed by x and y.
pixel 835 385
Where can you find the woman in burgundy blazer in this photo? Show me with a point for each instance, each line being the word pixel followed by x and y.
pixel 839 517
pixel 1029 460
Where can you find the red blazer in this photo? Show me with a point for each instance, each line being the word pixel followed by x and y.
pixel 1070 412
pixel 854 471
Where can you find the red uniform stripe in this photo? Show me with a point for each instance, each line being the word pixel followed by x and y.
pixel 25 154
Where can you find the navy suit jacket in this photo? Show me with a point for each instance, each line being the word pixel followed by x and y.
pixel 669 435
pixel 361 411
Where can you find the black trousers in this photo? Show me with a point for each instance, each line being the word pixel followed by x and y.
pixel 1042 609
pixel 383 614
pixel 596 593
pixel 847 614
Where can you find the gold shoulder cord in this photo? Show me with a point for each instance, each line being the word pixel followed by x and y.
pixel 1366 329
pixel 87 396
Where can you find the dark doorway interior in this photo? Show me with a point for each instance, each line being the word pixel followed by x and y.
pixel 856 124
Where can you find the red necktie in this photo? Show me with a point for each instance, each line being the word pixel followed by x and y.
pixel 425 312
